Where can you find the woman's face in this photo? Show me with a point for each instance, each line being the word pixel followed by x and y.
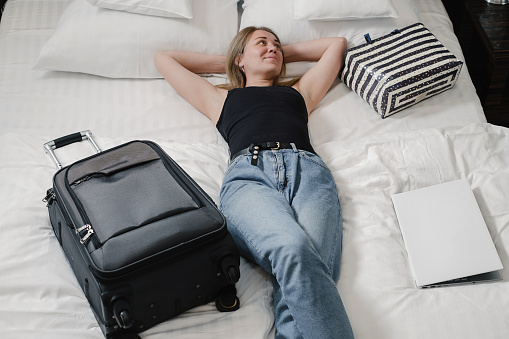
pixel 262 55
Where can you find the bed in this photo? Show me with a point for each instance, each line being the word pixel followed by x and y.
pixel 70 65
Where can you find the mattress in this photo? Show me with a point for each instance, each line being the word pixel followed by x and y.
pixel 440 139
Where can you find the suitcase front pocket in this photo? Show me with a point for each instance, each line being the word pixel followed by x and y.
pixel 136 207
pixel 128 199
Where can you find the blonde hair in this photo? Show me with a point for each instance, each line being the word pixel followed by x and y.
pixel 235 74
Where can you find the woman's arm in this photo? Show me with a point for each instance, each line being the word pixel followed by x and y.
pixel 314 84
pixel 181 70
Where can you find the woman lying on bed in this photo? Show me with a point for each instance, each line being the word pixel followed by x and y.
pixel 279 198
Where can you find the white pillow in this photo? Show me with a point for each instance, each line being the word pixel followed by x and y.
pixel 167 8
pixel 281 19
pixel 119 44
pixel 331 10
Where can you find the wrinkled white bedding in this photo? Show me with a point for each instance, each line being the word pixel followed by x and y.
pixel 376 283
pixel 40 298
pixel 440 139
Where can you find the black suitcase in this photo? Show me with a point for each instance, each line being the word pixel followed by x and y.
pixel 145 242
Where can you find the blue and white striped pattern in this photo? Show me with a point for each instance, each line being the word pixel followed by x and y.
pixel 400 69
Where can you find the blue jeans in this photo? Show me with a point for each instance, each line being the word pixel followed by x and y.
pixel 284 215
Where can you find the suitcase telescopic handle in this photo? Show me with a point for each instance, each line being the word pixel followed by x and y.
pixel 52 145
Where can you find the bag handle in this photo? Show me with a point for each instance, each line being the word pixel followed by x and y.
pixel 368 39
pixel 52 145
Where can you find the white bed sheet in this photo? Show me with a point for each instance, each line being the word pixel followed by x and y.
pixel 376 283
pixel 59 103
pixel 371 158
pixel 40 298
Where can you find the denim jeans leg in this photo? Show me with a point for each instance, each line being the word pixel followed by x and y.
pixel 315 203
pixel 264 226
pixel 285 324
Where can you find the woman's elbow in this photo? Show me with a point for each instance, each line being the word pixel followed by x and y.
pixel 162 59
pixel 158 58
pixel 342 42
pixel 341 46
pixel 337 45
pixel 162 55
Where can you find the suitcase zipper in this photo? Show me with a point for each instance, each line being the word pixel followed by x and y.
pixel 79 181
pixel 52 197
pixel 90 235
pixel 87 227
pixel 87 235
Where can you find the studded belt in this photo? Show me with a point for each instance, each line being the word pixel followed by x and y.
pixel 262 146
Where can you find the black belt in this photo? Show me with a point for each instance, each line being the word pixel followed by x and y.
pixel 262 146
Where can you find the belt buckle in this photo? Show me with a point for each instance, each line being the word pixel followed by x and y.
pixel 277 146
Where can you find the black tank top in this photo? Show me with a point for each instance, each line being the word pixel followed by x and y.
pixel 263 114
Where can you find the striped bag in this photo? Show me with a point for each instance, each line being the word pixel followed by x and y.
pixel 400 69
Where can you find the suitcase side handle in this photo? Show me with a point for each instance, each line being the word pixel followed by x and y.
pixel 52 145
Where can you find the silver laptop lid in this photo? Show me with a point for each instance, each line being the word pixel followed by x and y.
pixel 445 234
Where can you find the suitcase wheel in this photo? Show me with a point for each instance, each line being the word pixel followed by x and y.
pixel 122 313
pixel 230 267
pixel 227 300
pixel 233 274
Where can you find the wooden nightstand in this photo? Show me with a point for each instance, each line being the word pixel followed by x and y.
pixel 483 32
